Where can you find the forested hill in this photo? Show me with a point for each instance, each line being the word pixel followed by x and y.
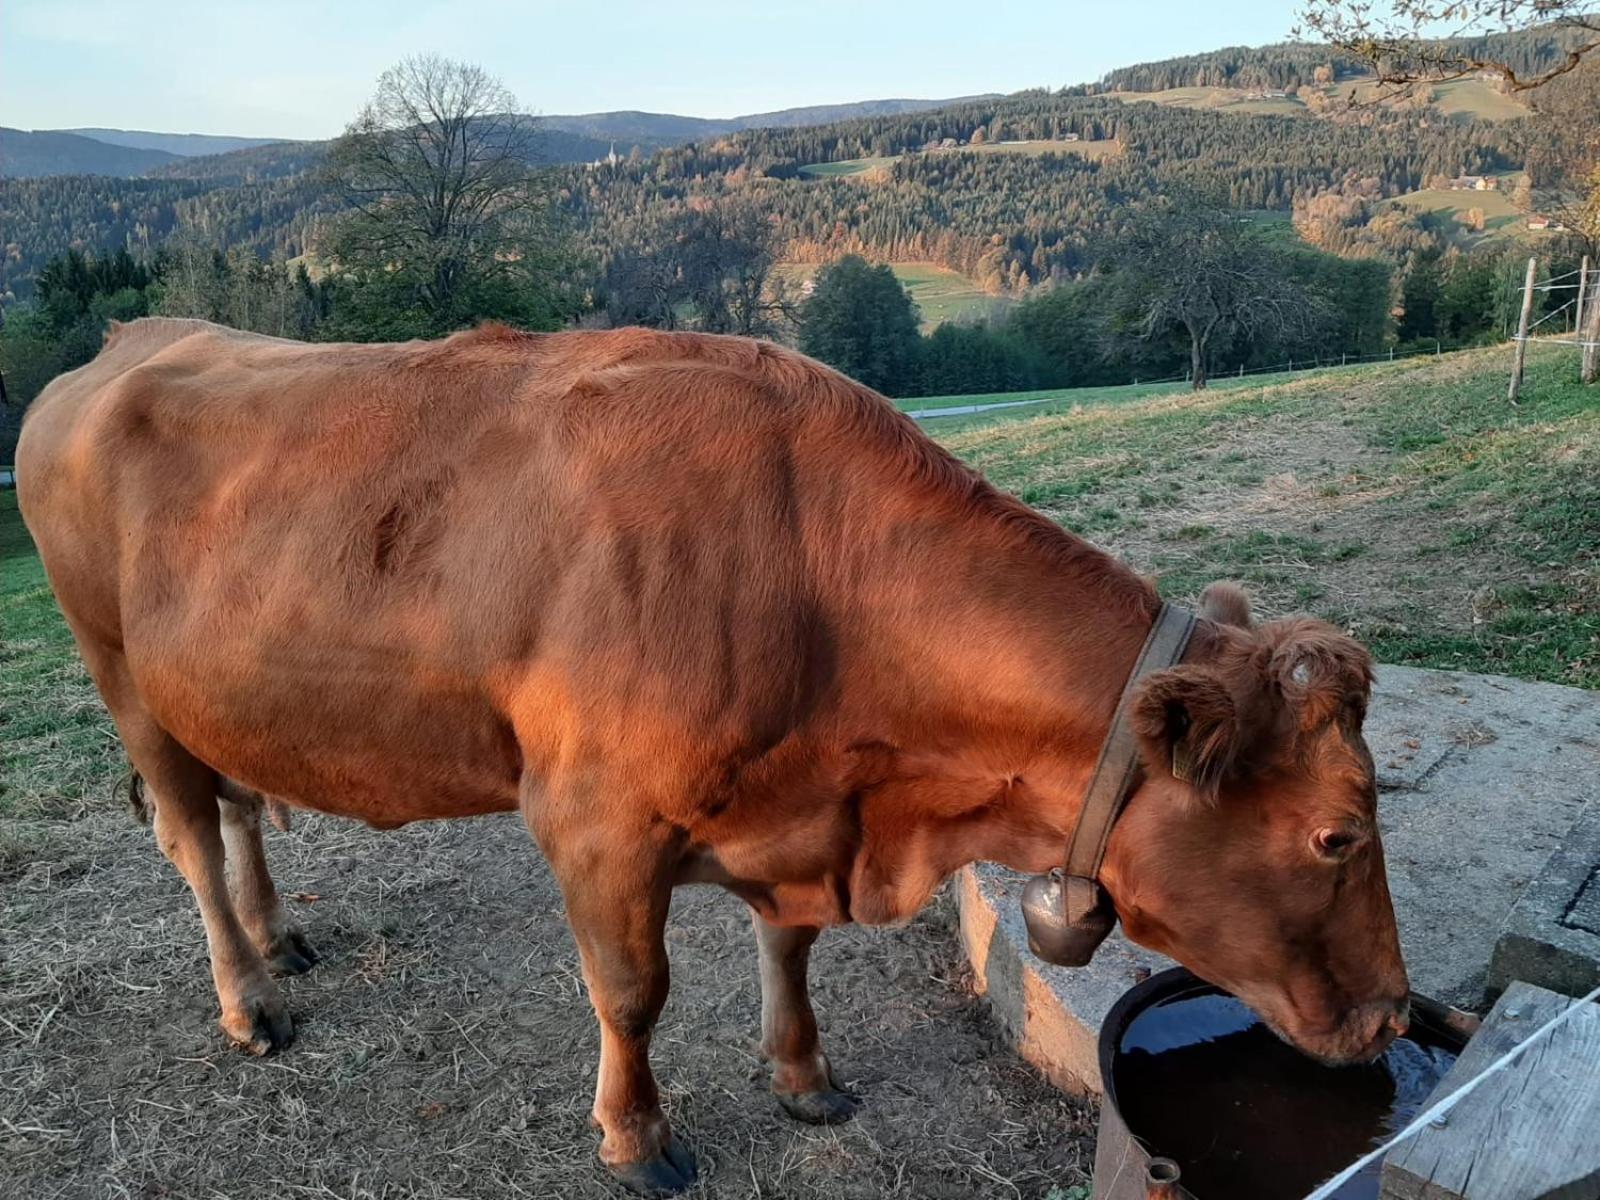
pixel 1006 219
pixel 1302 64
pixel 1010 219
pixel 1010 191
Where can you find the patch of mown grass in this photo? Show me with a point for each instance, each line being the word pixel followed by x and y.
pixel 57 744
pixel 1541 631
pixel 1502 501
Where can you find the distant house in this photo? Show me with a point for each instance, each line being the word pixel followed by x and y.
pixel 1474 183
pixel 610 160
pixel 1069 137
pixel 1274 94
pixel 1549 223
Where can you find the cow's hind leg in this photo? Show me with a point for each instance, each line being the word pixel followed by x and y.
pixel 618 887
pixel 255 899
pixel 802 1080
pixel 182 791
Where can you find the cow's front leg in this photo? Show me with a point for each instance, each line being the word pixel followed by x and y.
pixel 617 888
pixel 801 1077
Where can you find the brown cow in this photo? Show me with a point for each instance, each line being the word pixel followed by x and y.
pixel 704 611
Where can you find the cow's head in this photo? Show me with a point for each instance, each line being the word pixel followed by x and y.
pixel 1250 852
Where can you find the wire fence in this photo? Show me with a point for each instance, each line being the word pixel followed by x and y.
pixel 1584 280
pixel 1583 308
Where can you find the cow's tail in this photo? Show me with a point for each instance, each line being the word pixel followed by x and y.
pixel 137 800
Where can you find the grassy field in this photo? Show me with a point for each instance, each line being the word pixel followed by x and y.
pixel 57 748
pixel 1407 502
pixel 940 293
pixel 860 166
pixel 1475 98
pixel 1054 401
pixel 848 166
pixel 1234 100
pixel 1500 215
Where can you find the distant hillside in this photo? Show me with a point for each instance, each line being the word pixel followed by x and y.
pixel 571 138
pixel 185 145
pixel 656 131
pixel 275 160
pixel 1297 64
pixel 28 155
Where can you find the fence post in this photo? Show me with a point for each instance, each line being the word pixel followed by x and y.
pixel 1521 356
pixel 1438 347
pixel 1591 340
pixel 1583 292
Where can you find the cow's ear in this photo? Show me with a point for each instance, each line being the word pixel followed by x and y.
pixel 1226 604
pixel 1187 726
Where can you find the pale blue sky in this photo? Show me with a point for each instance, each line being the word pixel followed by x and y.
pixel 300 68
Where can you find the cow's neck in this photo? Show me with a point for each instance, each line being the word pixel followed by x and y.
pixel 999 648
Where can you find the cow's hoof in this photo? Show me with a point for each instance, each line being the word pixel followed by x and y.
pixel 829 1107
pixel 260 1026
pixel 671 1171
pixel 290 954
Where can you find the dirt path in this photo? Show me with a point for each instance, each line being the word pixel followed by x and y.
pixel 446 1048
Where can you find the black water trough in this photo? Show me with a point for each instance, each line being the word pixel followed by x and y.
pixel 1203 1102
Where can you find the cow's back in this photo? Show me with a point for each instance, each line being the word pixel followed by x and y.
pixel 357 574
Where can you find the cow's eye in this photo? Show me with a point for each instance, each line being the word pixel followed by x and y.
pixel 1334 842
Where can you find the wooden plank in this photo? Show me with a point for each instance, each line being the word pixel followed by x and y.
pixel 1532 1132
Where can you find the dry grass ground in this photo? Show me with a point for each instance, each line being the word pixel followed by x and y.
pixel 445 1045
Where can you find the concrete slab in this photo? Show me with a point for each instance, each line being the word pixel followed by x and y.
pixel 1480 779
pixel 1552 937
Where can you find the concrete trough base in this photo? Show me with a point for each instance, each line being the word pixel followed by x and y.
pixel 1552 937
pixel 1480 781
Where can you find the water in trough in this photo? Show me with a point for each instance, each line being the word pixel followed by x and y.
pixel 1201 1080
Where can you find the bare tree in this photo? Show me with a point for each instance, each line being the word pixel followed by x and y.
pixel 727 251
pixel 444 208
pixel 1187 263
pixel 1422 41
pixel 711 266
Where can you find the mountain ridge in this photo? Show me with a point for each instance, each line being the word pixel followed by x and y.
pixel 569 137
